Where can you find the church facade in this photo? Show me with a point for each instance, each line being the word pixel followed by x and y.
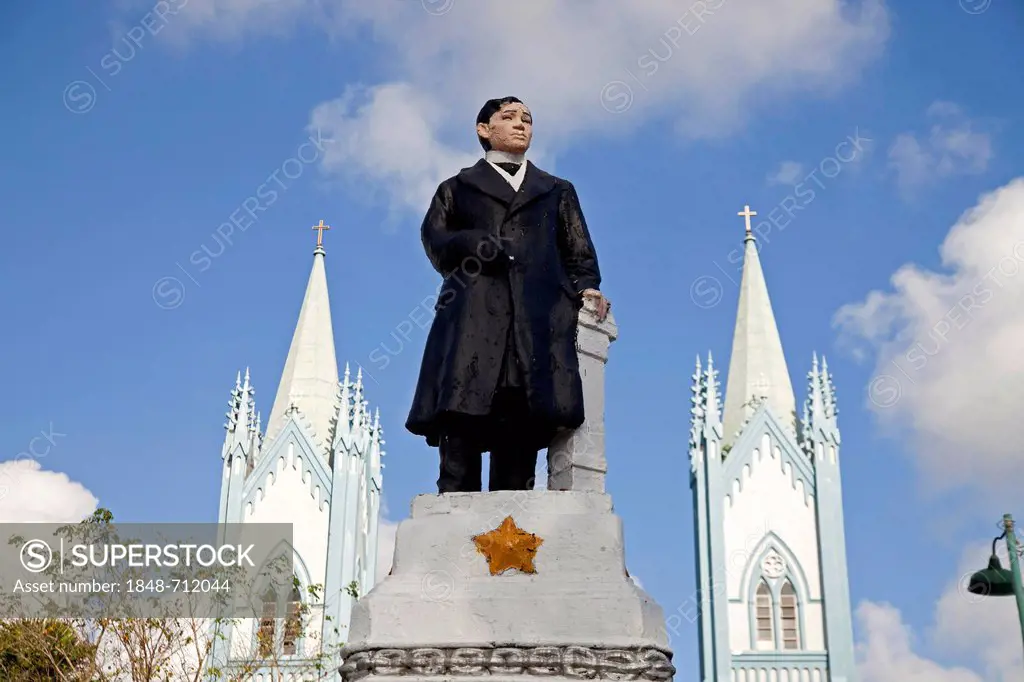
pixel 318 467
pixel 768 510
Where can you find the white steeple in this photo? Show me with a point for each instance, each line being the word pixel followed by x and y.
pixel 771 498
pixel 310 376
pixel 757 368
pixel 319 470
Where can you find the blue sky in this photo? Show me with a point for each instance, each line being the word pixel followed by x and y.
pixel 121 165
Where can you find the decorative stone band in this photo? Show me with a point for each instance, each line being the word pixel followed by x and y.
pixel 577 662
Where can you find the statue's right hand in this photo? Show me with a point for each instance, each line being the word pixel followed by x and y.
pixel 601 304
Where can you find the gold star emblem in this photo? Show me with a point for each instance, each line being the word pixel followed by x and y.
pixel 508 546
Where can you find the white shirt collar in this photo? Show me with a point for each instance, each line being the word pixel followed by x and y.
pixel 494 156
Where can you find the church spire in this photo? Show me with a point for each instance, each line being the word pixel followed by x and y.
pixel 757 368
pixel 310 376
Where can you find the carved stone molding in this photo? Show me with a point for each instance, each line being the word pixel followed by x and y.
pixel 577 662
pixel 773 566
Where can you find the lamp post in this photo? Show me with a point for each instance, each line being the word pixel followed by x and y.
pixel 996 581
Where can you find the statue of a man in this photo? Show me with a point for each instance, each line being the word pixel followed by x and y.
pixel 500 372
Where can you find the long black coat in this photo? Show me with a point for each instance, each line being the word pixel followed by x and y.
pixel 507 258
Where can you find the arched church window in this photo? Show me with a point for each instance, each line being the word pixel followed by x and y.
pixel 268 623
pixel 764 616
pixel 266 635
pixel 293 623
pixel 789 621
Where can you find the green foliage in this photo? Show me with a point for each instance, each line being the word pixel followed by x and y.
pixel 118 644
pixel 42 650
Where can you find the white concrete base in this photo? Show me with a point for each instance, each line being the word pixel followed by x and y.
pixel 440 613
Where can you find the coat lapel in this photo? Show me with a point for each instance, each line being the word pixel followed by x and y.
pixel 487 180
pixel 536 184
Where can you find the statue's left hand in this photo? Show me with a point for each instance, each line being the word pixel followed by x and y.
pixel 603 304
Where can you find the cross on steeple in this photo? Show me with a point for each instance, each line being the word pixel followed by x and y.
pixel 320 234
pixel 747 214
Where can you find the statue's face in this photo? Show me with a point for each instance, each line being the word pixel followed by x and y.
pixel 509 130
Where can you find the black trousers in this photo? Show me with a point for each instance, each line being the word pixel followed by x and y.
pixel 505 433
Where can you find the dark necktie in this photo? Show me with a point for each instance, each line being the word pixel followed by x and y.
pixel 508 167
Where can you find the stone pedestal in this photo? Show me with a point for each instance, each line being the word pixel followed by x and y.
pixel 508 585
pixel 576 459
pixel 443 614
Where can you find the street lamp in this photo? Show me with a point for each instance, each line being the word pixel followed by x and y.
pixel 996 581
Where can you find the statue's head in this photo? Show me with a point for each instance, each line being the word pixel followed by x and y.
pixel 505 125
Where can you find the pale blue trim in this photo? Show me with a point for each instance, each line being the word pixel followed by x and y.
pixel 750 437
pixel 226 477
pixel 232 484
pixel 313 467
pixel 802 660
pixel 705 610
pixel 344 509
pixel 236 486
pixel 713 614
pixel 838 619
pixel 717 565
pixel 289 664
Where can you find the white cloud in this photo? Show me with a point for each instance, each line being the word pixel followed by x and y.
pixel 886 653
pixel 228 20
pixel 601 67
pixel 29 494
pixel 952 147
pixel 382 139
pixel 981 631
pixel 788 173
pixel 949 369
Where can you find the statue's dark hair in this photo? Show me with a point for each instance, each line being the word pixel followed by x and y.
pixel 490 108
